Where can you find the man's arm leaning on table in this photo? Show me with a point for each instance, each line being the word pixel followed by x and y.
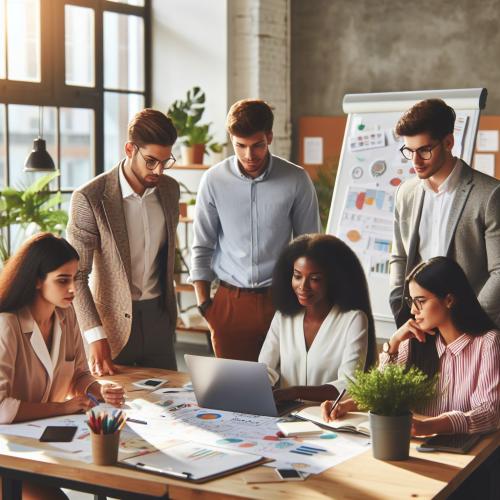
pixel 83 234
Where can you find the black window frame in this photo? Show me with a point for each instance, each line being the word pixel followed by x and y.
pixel 52 89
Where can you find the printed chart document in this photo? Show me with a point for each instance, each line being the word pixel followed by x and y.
pixel 352 422
pixel 193 461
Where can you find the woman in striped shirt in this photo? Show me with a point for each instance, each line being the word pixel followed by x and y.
pixel 450 334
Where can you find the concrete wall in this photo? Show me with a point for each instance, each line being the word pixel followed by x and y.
pixel 259 60
pixel 348 46
pixel 232 49
pixel 190 48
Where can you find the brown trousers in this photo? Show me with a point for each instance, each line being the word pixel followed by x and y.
pixel 239 322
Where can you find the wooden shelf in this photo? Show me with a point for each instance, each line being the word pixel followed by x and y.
pixel 191 167
pixel 196 328
pixel 192 329
pixel 184 287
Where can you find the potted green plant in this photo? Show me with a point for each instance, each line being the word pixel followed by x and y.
pixel 33 208
pixel 217 151
pixel 186 115
pixel 390 394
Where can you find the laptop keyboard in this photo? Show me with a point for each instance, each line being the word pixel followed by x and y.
pixel 285 407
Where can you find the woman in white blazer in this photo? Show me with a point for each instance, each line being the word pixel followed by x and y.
pixel 43 367
pixel 323 328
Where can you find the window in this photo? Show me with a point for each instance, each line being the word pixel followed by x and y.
pixel 85 64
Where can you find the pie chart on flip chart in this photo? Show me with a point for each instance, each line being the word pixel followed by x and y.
pixel 353 235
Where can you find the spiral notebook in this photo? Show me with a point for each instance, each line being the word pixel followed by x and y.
pixel 352 422
pixel 193 461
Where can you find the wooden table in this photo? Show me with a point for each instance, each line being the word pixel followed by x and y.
pixel 430 475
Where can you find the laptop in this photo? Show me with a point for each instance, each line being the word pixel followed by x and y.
pixel 234 385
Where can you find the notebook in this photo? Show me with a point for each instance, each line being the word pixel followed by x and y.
pixel 193 461
pixel 290 429
pixel 351 422
pixel 452 443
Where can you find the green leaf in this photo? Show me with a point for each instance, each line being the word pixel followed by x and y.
pixel 186 116
pixel 34 204
pixel 42 183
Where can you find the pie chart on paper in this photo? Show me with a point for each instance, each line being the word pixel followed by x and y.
pixel 208 416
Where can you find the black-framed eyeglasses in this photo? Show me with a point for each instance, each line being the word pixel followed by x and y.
pixel 417 301
pixel 425 152
pixel 152 163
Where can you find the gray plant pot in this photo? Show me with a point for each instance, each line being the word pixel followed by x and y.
pixel 390 436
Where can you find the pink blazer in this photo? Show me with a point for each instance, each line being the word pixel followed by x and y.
pixel 29 371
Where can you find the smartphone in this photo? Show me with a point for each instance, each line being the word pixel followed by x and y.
pixel 289 474
pixel 452 443
pixel 58 434
pixel 150 383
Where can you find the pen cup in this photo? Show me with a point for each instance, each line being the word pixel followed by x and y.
pixel 105 448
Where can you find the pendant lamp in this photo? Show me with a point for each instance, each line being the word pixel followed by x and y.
pixel 39 159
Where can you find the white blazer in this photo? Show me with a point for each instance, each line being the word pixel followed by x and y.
pixel 340 346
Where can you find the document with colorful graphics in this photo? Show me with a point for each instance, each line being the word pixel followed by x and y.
pixel 193 461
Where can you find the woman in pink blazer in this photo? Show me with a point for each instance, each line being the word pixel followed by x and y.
pixel 43 367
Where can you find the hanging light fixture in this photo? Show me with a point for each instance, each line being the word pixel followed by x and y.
pixel 39 159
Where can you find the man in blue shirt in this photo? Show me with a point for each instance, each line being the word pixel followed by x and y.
pixel 248 208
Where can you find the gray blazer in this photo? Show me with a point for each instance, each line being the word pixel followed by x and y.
pixel 98 231
pixel 472 233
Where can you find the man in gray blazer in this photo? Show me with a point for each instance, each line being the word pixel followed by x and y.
pixel 123 225
pixel 446 209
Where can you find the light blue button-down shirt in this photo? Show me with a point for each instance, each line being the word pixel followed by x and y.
pixel 242 224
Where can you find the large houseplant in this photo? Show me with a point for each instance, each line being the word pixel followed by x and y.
pixel 390 394
pixel 324 182
pixel 34 208
pixel 186 115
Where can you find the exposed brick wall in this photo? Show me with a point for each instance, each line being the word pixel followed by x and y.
pixel 259 60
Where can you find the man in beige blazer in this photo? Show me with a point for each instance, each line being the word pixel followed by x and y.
pixel 446 209
pixel 123 225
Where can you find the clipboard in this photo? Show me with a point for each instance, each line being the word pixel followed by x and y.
pixel 191 461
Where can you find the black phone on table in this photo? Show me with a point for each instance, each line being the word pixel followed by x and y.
pixel 58 433
pixel 289 474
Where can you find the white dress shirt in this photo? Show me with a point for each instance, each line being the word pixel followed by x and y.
pixel 147 234
pixel 340 346
pixel 435 215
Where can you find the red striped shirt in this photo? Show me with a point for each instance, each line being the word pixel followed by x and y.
pixel 469 381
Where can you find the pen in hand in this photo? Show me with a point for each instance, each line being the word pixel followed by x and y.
pixel 93 398
pixel 337 401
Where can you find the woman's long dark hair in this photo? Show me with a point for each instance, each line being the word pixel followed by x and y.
pixel 346 281
pixel 37 256
pixel 442 276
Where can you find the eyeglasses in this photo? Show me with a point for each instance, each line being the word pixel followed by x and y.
pixel 417 301
pixel 152 163
pixel 425 152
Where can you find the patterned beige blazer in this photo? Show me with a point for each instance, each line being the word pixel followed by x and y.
pixel 472 234
pixel 98 231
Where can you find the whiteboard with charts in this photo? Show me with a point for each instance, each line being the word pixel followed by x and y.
pixel 370 170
